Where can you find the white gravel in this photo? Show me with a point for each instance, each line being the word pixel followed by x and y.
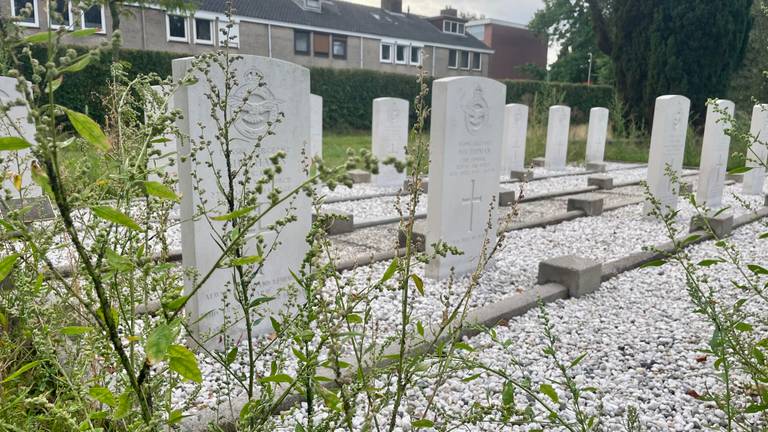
pixel 642 342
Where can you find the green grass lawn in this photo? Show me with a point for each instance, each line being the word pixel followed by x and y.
pixel 636 150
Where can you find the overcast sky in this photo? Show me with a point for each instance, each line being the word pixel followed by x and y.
pixel 518 11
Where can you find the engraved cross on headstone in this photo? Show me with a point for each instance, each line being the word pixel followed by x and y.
pixel 471 200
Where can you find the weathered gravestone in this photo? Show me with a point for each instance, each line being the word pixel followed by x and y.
pixel 390 137
pixel 557 138
pixel 670 123
pixel 16 165
pixel 714 155
pixel 465 155
pixel 316 123
pixel 164 162
pixel 757 154
pixel 287 92
pixel 515 132
pixel 597 134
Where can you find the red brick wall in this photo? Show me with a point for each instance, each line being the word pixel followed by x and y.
pixel 513 47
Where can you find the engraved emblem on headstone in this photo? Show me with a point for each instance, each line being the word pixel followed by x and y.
pixel 258 105
pixel 476 111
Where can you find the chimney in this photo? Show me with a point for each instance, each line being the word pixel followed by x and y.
pixel 395 6
pixel 449 12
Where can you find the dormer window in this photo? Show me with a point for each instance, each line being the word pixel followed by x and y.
pixel 454 27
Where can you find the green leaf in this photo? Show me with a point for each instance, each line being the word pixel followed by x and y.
pixel 756 269
pixel 6 265
pixel 124 404
pixel 159 190
pixel 103 395
pixel 419 283
pixel 279 378
pixel 159 342
pixel 330 398
pixel 550 392
pixel 183 362
pixel 112 215
pixel 577 360
pixel 235 214
pixel 89 130
pixel 231 356
pixel 709 262
pixel 246 261
pixel 471 378
pixel 743 327
pixel 463 346
pixel 38 37
pixel 13 144
pixel 175 417
pixel 654 263
pixel 390 271
pixel 420 328
pixel 354 319
pixel 275 325
pixel 740 170
pixel 75 330
pixel 763 236
pixel 508 394
pixel 78 65
pixel 422 423
pixel 176 304
pixel 117 261
pixel 20 371
pixel 260 301
pixel 754 408
pixel 83 32
pixel 691 238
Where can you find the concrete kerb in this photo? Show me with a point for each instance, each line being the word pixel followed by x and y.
pixel 492 314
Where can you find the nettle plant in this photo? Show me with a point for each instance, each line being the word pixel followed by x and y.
pixel 735 310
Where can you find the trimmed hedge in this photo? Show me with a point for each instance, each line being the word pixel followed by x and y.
pixel 348 93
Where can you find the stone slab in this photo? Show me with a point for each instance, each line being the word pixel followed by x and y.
pixel 590 204
pixel 714 154
pixel 721 225
pixel 515 133
pixel 558 127
pixel 597 135
pixel 580 275
pixel 757 154
pixel 601 181
pixel 359 176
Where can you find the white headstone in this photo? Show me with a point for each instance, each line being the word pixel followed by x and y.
pixel 389 138
pixel 597 134
pixel 757 154
pixel 165 163
pixel 714 155
pixel 16 124
pixel 670 124
pixel 465 158
pixel 557 138
pixel 287 92
pixel 316 123
pixel 515 132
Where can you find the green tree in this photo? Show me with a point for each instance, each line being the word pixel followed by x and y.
pixel 662 47
pixel 749 83
pixel 568 25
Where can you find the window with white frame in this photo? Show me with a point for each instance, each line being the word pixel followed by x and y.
pixel 60 14
pixel 464 59
pixel 386 53
pixel 477 61
pixel 93 17
pixel 203 31
pixel 232 34
pixel 415 55
pixel 401 54
pixel 176 28
pixel 453 59
pixel 25 11
pixel 454 27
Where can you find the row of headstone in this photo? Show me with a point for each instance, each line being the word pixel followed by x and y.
pixel 668 136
